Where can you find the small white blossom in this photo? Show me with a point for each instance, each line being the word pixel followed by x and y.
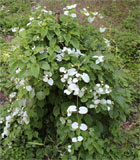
pixel 72 71
pixel 73 15
pixel 72 6
pixel 91 19
pixel 74 139
pixel 83 110
pixel 28 88
pixel 85 77
pixel 18 70
pixel 14 29
pixel 97 101
pixel 33 47
pixel 71 109
pixel 108 108
pixel 108 101
pixel 12 95
pixel 79 138
pixel 28 23
pixel 74 125
pixel 83 127
pixel 22 29
pixel 31 18
pixel 66 12
pixel 86 14
pixel 102 29
pixel 94 13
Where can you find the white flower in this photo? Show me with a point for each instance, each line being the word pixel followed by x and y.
pixel 83 127
pixel 69 148
pixel 107 42
pixel 73 87
pixel 45 11
pixel 71 109
pixel 59 58
pixel 33 47
pixel 108 101
pixel 108 108
pixel 83 110
pixel 92 106
pixel 68 91
pixel 73 15
pixel 15 112
pixel 103 101
pixel 100 59
pixel 85 77
pixel 12 95
pixel 91 19
pixel 74 139
pixel 50 12
pixel 100 91
pixel 14 29
pixel 98 85
pixel 31 18
pixel 107 86
pixel 79 138
pixel 72 71
pixel 63 80
pixel 86 14
pixel 41 52
pixel 72 6
pixel 94 13
pixel 22 29
pixel 81 92
pixel 66 12
pixel 28 88
pixel 102 29
pixel 28 24
pixel 18 70
pixel 50 81
pixel 74 125
pixel 75 80
pixel 97 101
pixel 65 76
pixel 78 75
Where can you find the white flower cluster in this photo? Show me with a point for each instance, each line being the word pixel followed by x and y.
pixel 73 108
pixel 69 51
pixel 14 29
pixel 107 42
pixel 47 78
pixel 71 77
pixel 102 29
pixel 99 59
pixel 20 83
pixel 101 89
pixel 10 117
pixel 75 125
pixel 91 15
pixel 67 10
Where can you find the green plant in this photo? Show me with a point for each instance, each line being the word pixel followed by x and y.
pixel 68 94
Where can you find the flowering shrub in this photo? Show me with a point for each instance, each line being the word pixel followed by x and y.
pixel 67 94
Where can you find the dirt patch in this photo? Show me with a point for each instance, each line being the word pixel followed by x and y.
pixel 3 98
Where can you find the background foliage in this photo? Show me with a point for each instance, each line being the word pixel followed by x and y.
pixel 112 139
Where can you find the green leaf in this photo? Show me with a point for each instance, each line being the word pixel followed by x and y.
pixel 35 69
pixel 75 42
pixel 56 111
pixel 44 32
pixel 45 65
pixel 95 66
pixel 40 95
